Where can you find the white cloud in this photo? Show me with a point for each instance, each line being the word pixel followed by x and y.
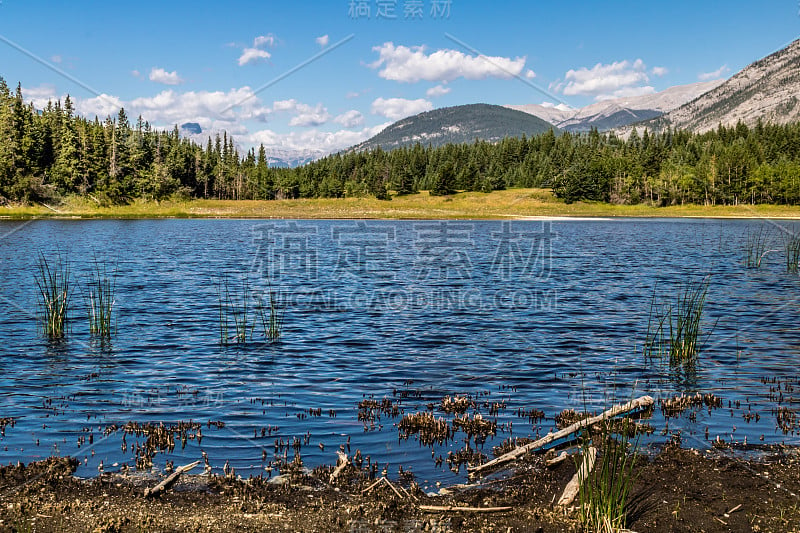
pixel 313 139
pixel 323 40
pixel 250 55
pixel 304 114
pixel 40 95
pixel 99 106
pixel 284 105
pixel 350 119
pixel 660 71
pixel 439 90
pixel 256 53
pixel 720 72
pixel 410 65
pixel 561 107
pixel 313 117
pixel 397 108
pixel 56 59
pixel 530 74
pixel 169 107
pixel 605 81
pixel 357 94
pixel 136 74
pixel 627 92
pixel 232 111
pixel 159 75
pixel 265 40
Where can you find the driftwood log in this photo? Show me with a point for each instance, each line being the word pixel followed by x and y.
pixel 550 463
pixel 574 486
pixel 341 464
pixel 455 508
pixel 169 481
pixel 639 404
pixel 386 481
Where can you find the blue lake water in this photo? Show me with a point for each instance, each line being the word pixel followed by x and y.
pixel 536 314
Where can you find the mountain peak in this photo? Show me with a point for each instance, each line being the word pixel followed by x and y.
pixel 457 125
pixel 766 90
pixel 618 112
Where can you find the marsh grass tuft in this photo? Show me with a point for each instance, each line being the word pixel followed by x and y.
pixel 674 329
pixel 54 287
pixel 272 317
pixel 234 312
pixel 100 300
pixel 756 247
pixel 792 247
pixel 242 309
pixel 604 494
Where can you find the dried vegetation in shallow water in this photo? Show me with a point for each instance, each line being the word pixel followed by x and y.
pixel 475 427
pixel 457 404
pixel 675 406
pixel 8 421
pixel 430 430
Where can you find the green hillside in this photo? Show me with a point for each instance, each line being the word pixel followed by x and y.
pixel 457 125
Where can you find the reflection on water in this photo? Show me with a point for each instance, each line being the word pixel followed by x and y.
pixel 527 314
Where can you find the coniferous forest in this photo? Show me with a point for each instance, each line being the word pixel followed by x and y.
pixel 48 154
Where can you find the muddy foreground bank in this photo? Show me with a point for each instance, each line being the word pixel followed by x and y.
pixel 676 490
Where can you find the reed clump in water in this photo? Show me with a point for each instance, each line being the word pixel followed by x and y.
pixel 242 309
pixel 674 329
pixel 234 312
pixel 792 247
pixel 54 290
pixel 271 317
pixel 756 247
pixel 100 299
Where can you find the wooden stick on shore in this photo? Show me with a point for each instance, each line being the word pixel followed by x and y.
pixel 550 463
pixel 455 508
pixel 574 486
pixel 169 481
pixel 391 486
pixel 341 464
pixel 639 404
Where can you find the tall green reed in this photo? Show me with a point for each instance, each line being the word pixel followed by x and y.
pixel 242 309
pixel 54 291
pixel 272 317
pixel 792 248
pixel 100 300
pixel 674 329
pixel 234 312
pixel 756 247
pixel 603 496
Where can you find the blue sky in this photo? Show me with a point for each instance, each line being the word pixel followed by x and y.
pixel 179 61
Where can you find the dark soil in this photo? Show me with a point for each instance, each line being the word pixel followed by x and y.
pixel 676 490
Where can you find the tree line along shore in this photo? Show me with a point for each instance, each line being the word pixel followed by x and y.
pixel 53 154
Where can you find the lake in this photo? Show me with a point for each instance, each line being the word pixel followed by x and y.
pixel 535 314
